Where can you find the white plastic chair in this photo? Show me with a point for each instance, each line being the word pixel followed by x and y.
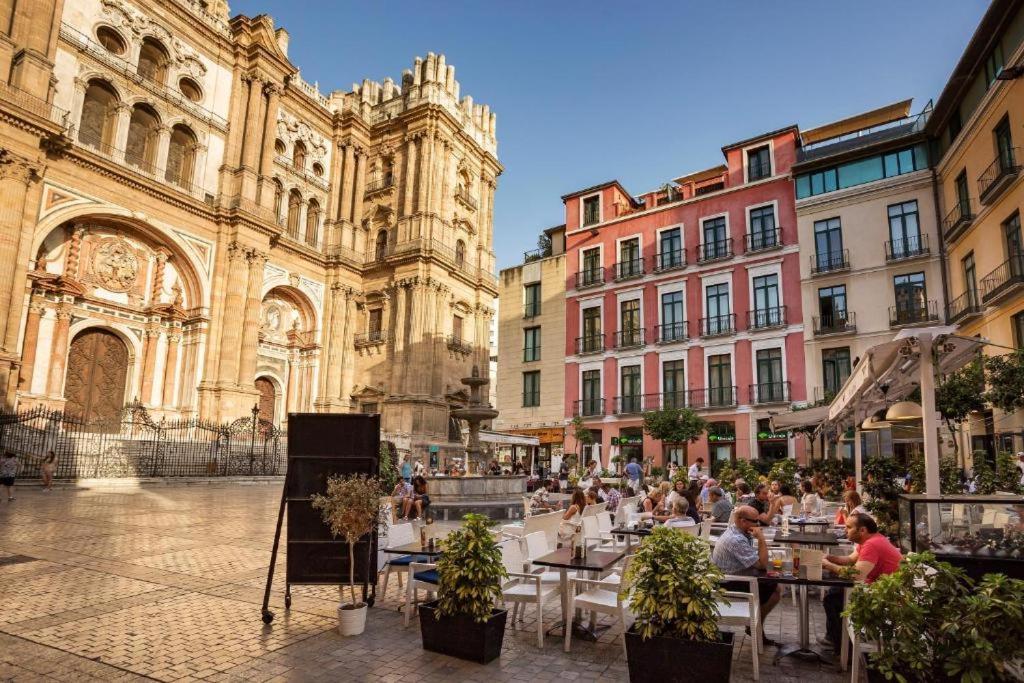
pixel 592 510
pixel 399 534
pixel 604 596
pixel 744 609
pixel 523 588
pixel 422 575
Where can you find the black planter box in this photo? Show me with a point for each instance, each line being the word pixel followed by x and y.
pixel 659 658
pixel 461 636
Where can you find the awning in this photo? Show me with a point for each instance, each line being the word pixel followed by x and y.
pixel 506 439
pixel 798 419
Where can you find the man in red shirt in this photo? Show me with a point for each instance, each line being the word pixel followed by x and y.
pixel 873 557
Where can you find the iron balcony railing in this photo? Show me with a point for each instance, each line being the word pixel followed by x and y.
pixel 35 105
pixel 629 338
pixel 718 325
pixel 839 322
pixel 531 309
pixel 588 407
pixel 371 337
pixel 959 217
pixel 593 343
pixel 531 353
pixel 672 332
pixel 669 260
pixel 913 314
pixel 625 270
pixel 633 404
pixel 830 261
pixel 764 240
pixel 1003 280
pixel 907 247
pixel 712 397
pixel 673 399
pixel 301 173
pixel 714 251
pixel 769 392
pixel 379 183
pixel 998 175
pixel 466 198
pixel 590 277
pixel 964 306
pixel 766 318
pixel 457 343
pixel 759 170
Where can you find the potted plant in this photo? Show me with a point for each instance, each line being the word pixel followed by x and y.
pixel 351 509
pixel 463 621
pixel 673 589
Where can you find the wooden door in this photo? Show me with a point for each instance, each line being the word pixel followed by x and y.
pixel 96 377
pixel 268 400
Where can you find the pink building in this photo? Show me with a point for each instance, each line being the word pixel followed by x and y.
pixel 688 296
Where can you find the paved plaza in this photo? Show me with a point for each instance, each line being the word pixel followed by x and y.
pixel 165 583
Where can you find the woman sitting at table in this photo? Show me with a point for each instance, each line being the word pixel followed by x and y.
pixel 576 505
pixel 810 503
pixel 781 502
pixel 851 503
pixel 653 504
pixel 592 496
pixel 775 490
pixel 680 516
pixel 678 488
pixel 692 509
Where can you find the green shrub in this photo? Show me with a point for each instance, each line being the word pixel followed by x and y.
pixel 470 571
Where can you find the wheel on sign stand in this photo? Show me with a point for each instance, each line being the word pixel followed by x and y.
pixel 268 616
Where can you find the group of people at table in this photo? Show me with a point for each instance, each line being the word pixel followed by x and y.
pixel 742 546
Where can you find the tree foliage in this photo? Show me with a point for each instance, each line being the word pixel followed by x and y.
pixel 960 394
pixel 1006 381
pixel 470 571
pixel 882 489
pixel 674 425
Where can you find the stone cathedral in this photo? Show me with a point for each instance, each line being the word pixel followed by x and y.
pixel 188 224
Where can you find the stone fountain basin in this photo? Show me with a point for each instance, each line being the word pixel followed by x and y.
pixel 497 496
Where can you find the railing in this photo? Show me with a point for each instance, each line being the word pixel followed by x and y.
pixel 590 277
pixel 907 247
pixel 963 306
pixel 714 251
pixel 905 126
pixel 593 343
pixel 927 311
pixel 672 332
pixel 418 247
pixel 769 392
pixel 669 260
pixel 764 240
pixel 1001 280
pixel 467 199
pixel 240 203
pixel 588 407
pixel 759 170
pixel 830 262
pixel 766 318
pixel 531 353
pixel 712 397
pixel 33 104
pixel 458 344
pixel 718 325
pixel 958 217
pixel 626 339
pixel 531 309
pixel 378 184
pixel 625 270
pixel 536 254
pixel 997 175
pixel 370 338
pixel 672 400
pixel 839 322
pixel 289 166
pixel 636 403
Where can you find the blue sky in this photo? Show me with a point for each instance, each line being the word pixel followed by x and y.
pixel 642 92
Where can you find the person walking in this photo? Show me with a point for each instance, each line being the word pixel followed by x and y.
pixel 406 470
pixel 633 474
pixel 9 468
pixel 47 469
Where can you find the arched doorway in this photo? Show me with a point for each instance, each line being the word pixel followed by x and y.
pixel 96 376
pixel 268 399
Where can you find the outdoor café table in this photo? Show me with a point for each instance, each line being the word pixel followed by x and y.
pixel 801 522
pixel 414 549
pixel 596 562
pixel 814 538
pixel 631 533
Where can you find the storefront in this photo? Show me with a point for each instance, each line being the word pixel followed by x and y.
pixel 628 444
pixel 771 445
pixel 721 443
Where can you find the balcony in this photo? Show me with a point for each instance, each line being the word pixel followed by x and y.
pixel 629 339
pixel 840 322
pixel 301 173
pixel 590 277
pixel 917 313
pixel 1004 280
pixel 718 325
pixel 669 260
pixel 588 407
pixel 457 344
pixel 371 338
pixel 830 262
pixel 769 392
pixel 531 309
pixel 714 251
pixel 964 307
pixel 627 270
pixel 907 248
pixel 712 397
pixel 634 404
pixel 672 332
pixel 957 220
pixel 998 176
pixel 463 196
pixel 593 343
pixel 765 240
pixel 379 184
pixel 766 318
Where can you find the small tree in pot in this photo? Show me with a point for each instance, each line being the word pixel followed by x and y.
pixel 674 589
pixel 464 622
pixel 351 509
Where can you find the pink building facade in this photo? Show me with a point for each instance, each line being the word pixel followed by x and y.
pixel 687 296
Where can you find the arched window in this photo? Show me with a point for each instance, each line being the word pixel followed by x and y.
pixel 96 127
pixel 294 208
pixel 153 61
pixel 460 253
pixel 278 198
pixel 190 89
pixel 279 147
pixel 312 222
pixel 181 156
pixel 142 134
pixel 111 40
pixel 389 172
pixel 299 157
pixel 381 249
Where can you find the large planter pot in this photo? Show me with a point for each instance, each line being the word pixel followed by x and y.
pixel 461 636
pixel 875 676
pixel 658 658
pixel 351 622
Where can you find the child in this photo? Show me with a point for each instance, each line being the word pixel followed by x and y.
pixel 47 469
pixel 9 467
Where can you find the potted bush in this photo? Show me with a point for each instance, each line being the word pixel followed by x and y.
pixel 351 509
pixel 463 621
pixel 673 591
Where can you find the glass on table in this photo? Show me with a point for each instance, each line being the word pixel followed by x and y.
pixel 777 557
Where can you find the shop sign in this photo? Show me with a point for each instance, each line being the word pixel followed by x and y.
pixel 722 438
pixel 772 436
pixel 627 440
pixel 435 449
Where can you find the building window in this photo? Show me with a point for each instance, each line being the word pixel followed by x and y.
pixel 299 156
pixel 759 163
pixel 673 325
pixel 1004 145
pixel 380 250
pixel 719 318
pixel 592 210
pixel 630 389
pixel 673 384
pixel 767 312
pixel 278 199
pixel 96 126
pixel 956 124
pixel 591 393
pixel 629 321
pixel 720 380
pixel 375 324
pixel 993 65
pixel 1014 239
pixel 970 279
pixel 460 254
pixel 630 264
pixel 904 230
pixel 294 209
pixel 142 138
pixel 111 40
pixel 828 245
pixel 715 238
pixel 591 329
pixel 531 389
pixel 369 408
pixel 531 344
pixel 312 222
pixel 531 296
pixel 911 298
pixel 763 234
pixel 832 307
pixel 962 197
pixel 862 171
pixel 1017 323
pixel 591 266
pixel 770 386
pixel 153 61
pixel 670 249
pixel 457 329
pixel 835 369
pixel 190 89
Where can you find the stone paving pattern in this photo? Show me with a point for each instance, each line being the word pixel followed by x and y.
pixel 165 583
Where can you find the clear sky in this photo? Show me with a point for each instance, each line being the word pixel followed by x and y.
pixel 587 91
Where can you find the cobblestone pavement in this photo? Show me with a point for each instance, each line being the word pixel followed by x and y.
pixel 117 583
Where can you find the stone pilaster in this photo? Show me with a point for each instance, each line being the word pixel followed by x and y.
pixel 253 120
pixel 273 94
pixel 410 172
pixel 398 327
pixel 335 341
pixel 171 368
pixel 149 347
pixel 349 173
pixel 230 337
pixel 358 189
pixel 59 352
pixel 28 355
pixel 251 319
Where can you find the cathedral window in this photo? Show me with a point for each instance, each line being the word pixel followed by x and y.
pixel 181 156
pixel 278 198
pixel 312 222
pixel 142 138
pixel 460 253
pixel 294 208
pixel 96 127
pixel 190 89
pixel 153 61
pixel 299 157
pixel 111 40
pixel 382 245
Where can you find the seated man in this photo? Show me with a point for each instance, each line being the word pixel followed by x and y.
pixel 539 501
pixel 734 553
pixel 761 504
pixel 721 508
pixel 873 556
pixel 419 500
pixel 611 496
pixel 402 492
pixel 680 514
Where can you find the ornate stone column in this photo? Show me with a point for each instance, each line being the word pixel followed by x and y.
pixel 335 341
pixel 251 319
pixel 360 187
pixel 163 147
pixel 398 349
pixel 348 183
pixel 158 276
pixel 59 352
pixel 230 334
pixel 348 348
pixel 124 119
pixel 72 263
pixel 292 404
pixel 441 312
pixel 423 174
pixel 149 345
pixel 28 354
pixel 410 172
pixel 413 359
pixel 171 367
pixel 273 93
pixel 253 117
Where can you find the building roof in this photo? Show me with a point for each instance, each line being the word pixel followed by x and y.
pixel 850 124
pixel 698 176
pixel 762 136
pixel 552 230
pixel 601 186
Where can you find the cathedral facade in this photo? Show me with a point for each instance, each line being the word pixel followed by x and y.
pixel 188 224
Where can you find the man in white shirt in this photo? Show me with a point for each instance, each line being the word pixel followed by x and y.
pixel 694 472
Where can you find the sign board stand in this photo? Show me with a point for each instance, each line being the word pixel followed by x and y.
pixel 320 446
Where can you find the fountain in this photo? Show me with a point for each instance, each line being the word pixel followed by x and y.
pixel 476 412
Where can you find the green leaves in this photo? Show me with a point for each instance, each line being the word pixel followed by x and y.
pixel 470 571
pixel 1006 381
pixel 674 425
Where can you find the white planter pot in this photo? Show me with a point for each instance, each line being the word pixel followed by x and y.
pixel 351 622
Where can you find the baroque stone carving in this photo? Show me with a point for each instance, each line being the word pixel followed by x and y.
pixel 115 265
pixel 127 16
pixel 290 129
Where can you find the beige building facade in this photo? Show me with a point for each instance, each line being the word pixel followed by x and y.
pixel 191 225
